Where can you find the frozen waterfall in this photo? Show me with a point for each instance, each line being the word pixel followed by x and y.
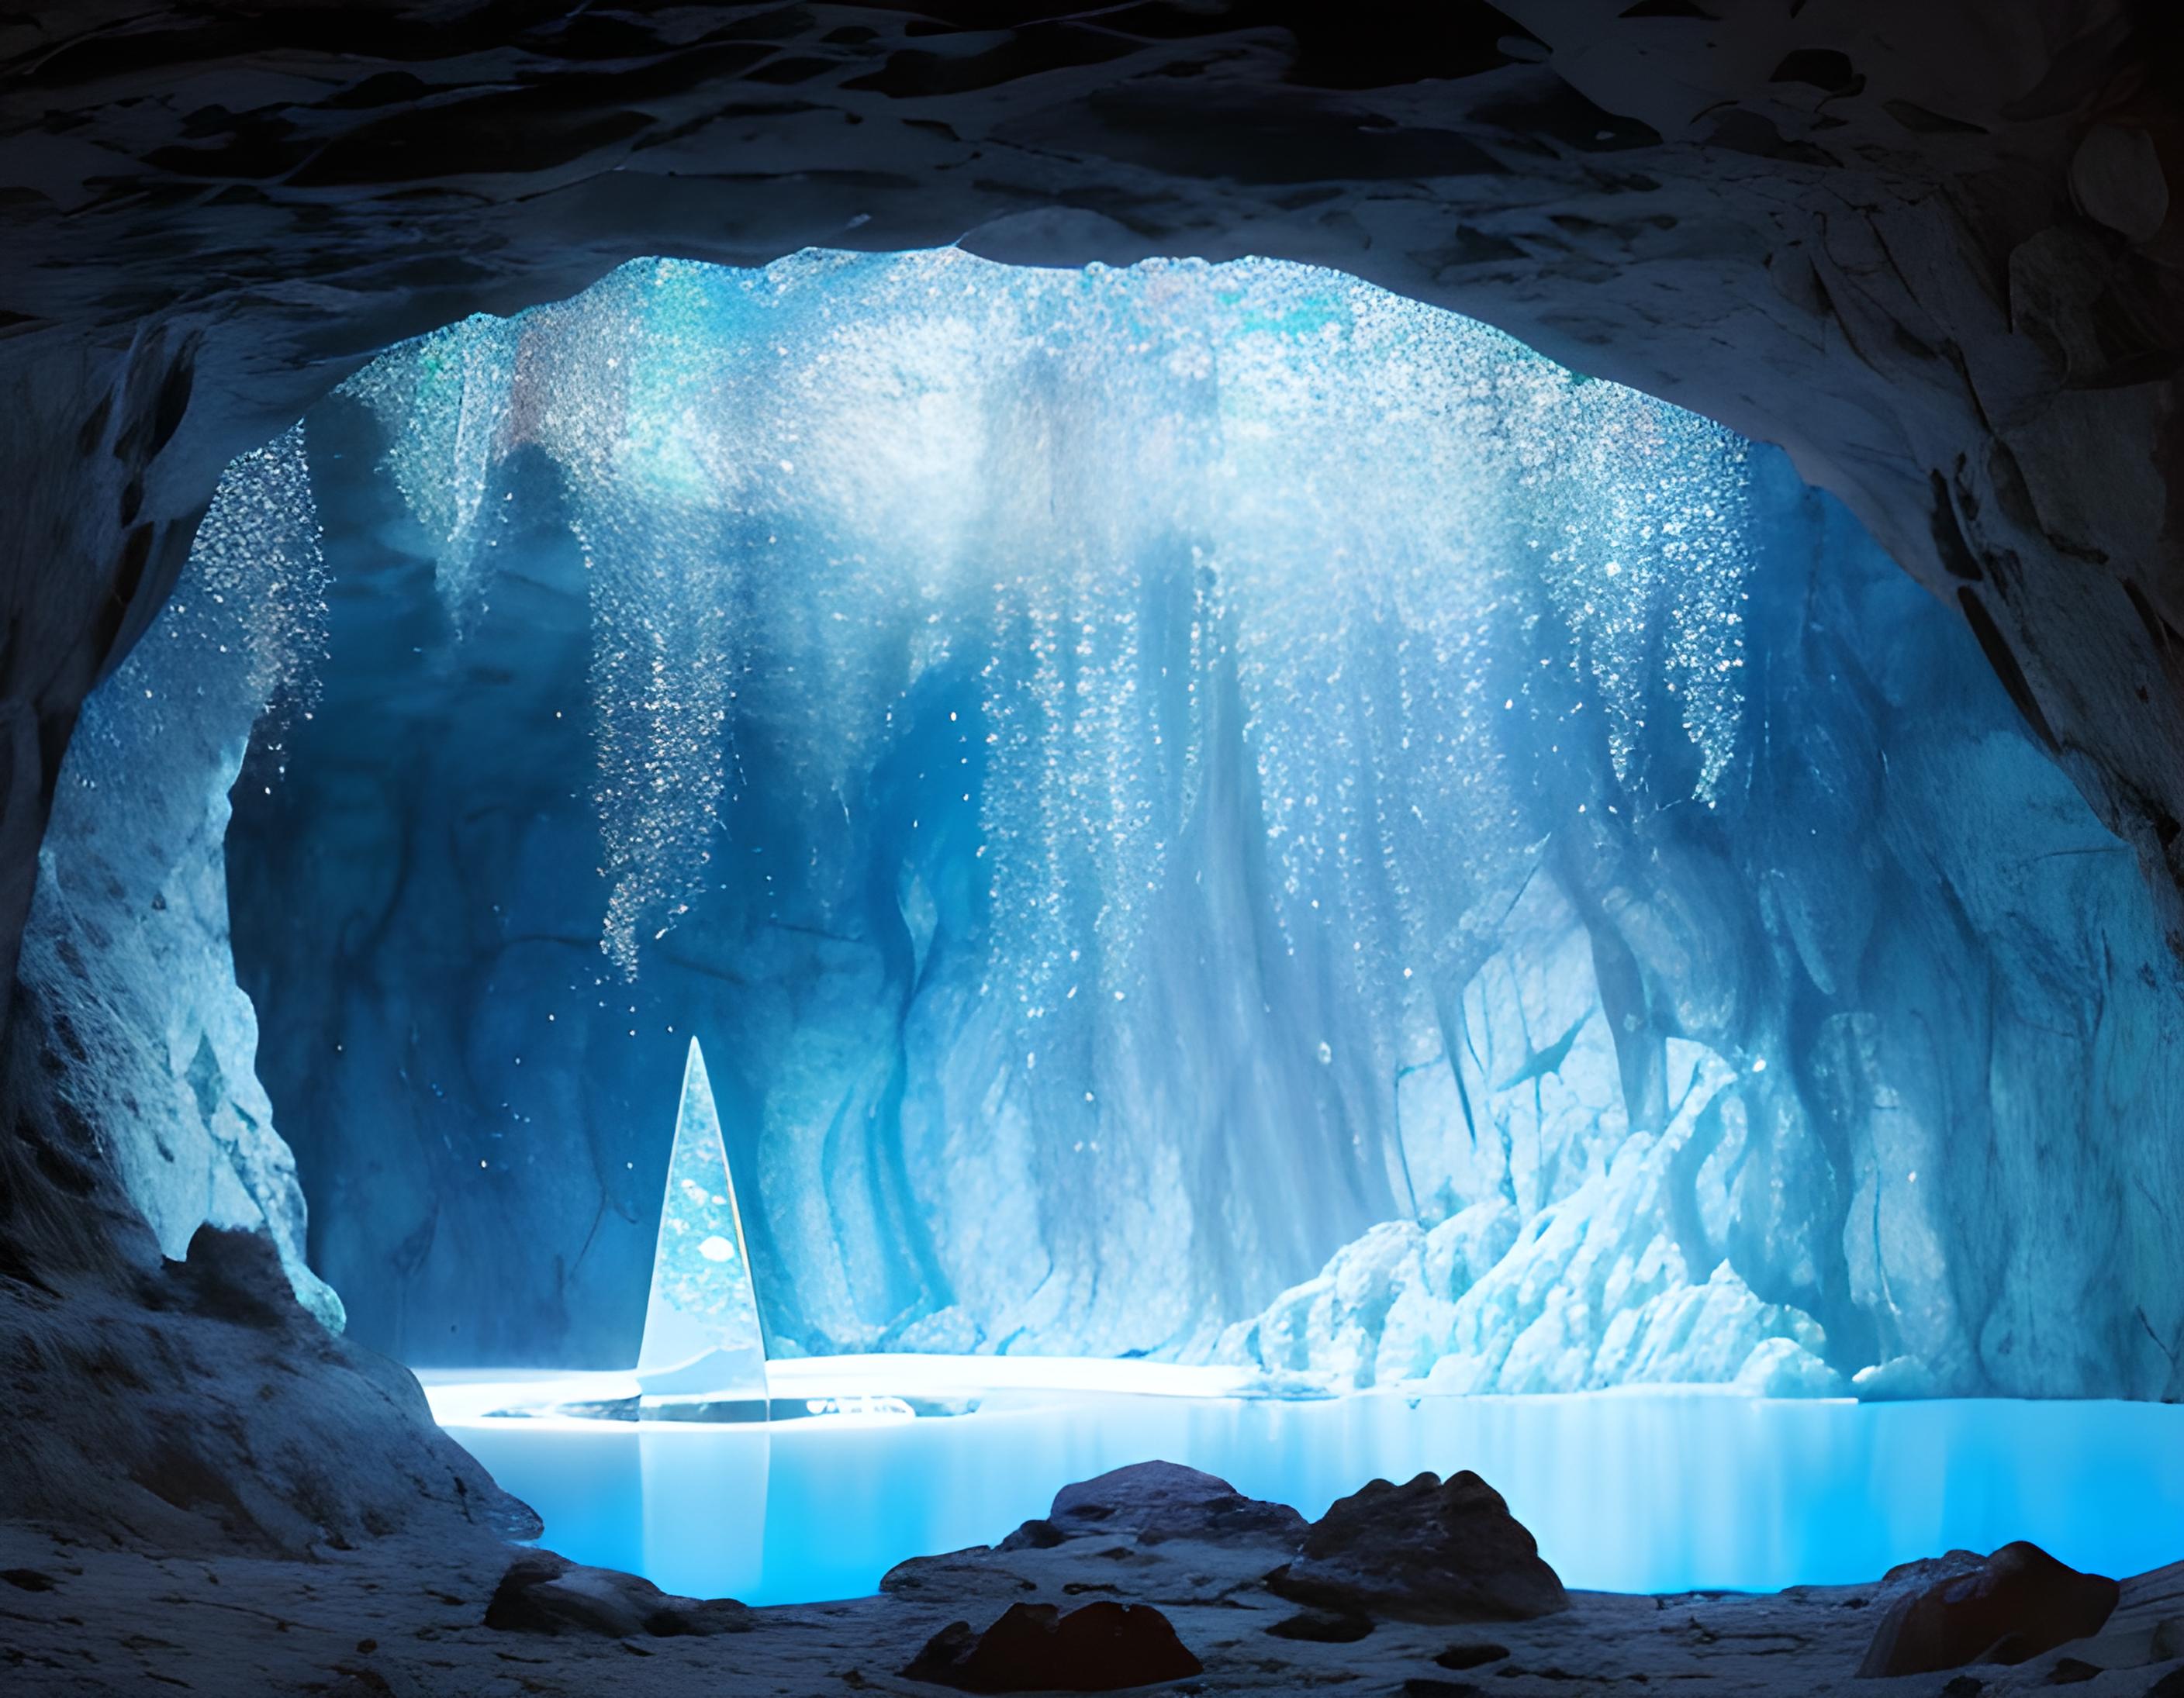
pixel 1155 535
pixel 1198 811
pixel 1198 659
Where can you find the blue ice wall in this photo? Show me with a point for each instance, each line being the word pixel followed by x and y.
pixel 126 966
pixel 1192 809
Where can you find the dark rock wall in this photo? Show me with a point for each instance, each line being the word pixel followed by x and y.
pixel 190 1405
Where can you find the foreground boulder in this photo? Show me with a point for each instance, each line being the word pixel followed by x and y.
pixel 1154 1502
pixel 542 1592
pixel 1104 1647
pixel 2017 1603
pixel 1429 1551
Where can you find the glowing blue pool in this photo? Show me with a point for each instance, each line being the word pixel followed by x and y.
pixel 1626 1492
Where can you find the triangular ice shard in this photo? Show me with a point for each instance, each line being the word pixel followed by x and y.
pixel 703 1344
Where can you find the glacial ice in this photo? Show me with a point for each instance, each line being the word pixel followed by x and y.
pixel 703 1334
pixel 801 493
pixel 1194 811
pixel 126 955
pixel 1592 1290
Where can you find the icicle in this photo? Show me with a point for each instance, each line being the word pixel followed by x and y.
pixel 1130 512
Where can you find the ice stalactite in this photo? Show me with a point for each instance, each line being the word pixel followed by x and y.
pixel 1103 495
pixel 446 406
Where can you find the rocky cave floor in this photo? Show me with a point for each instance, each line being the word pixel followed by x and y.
pixel 409 1618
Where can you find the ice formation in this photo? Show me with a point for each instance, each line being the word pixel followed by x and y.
pixel 1105 607
pixel 702 1331
pixel 126 951
pixel 1091 502
pixel 1173 797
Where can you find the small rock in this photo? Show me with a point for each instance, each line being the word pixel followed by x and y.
pixel 542 1592
pixel 945 1573
pixel 1963 1686
pixel 1472 1656
pixel 1427 1551
pixel 28 1580
pixel 2070 1671
pixel 2017 1604
pixel 1104 1647
pixel 1425 1686
pixel 1323 1627
pixel 1156 1501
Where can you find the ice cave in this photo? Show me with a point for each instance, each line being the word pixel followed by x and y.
pixel 1377 819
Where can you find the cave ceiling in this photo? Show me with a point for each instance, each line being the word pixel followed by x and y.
pixel 1931 250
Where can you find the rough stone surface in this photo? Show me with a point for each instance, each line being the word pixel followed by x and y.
pixel 1323 1627
pixel 1425 1551
pixel 2014 1606
pixel 1101 1647
pixel 1474 1654
pixel 194 1406
pixel 1127 1512
pixel 542 1593
pixel 1155 1501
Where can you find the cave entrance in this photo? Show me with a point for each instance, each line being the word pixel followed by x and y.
pixel 1201 813
pixel 1065 743
pixel 1139 780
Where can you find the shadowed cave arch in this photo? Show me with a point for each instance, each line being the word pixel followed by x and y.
pixel 1944 287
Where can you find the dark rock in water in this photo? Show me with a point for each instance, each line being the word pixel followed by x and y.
pixel 1427 1551
pixel 1963 1686
pixel 1323 1627
pixel 2017 1603
pixel 27 1579
pixel 2071 1671
pixel 1155 1501
pixel 1425 1686
pixel 1472 1656
pixel 1104 1647
pixel 2170 1685
pixel 542 1592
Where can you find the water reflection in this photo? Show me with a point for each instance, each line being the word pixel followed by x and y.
pixel 1625 1492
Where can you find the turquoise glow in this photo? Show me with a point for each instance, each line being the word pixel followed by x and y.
pixel 1635 1492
